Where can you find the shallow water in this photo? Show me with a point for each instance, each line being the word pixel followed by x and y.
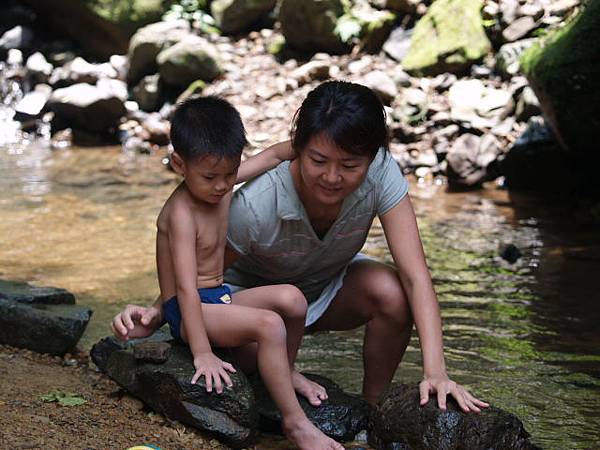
pixel 522 336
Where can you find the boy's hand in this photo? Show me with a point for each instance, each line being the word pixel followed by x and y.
pixel 136 322
pixel 444 386
pixel 214 370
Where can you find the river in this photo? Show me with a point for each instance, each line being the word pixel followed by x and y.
pixel 523 337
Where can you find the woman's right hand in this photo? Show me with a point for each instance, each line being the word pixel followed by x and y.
pixel 214 371
pixel 136 322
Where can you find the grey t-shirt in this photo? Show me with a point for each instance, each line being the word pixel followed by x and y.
pixel 269 228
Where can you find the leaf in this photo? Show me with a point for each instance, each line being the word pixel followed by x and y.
pixel 64 399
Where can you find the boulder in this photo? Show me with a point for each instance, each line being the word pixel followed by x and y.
pixel 310 25
pixel 398 422
pixel 469 158
pixel 166 388
pixel 233 16
pixel 563 71
pixel 449 38
pixel 193 58
pixel 42 319
pixel 340 417
pixel 148 42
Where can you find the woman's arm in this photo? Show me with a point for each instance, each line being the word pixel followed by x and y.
pixel 402 234
pixel 265 160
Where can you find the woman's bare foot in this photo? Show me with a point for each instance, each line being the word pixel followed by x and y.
pixel 308 437
pixel 314 393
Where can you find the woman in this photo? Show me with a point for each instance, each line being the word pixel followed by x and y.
pixel 304 223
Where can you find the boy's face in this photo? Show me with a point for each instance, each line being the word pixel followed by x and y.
pixel 208 178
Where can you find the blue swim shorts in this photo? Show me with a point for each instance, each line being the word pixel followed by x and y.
pixel 220 295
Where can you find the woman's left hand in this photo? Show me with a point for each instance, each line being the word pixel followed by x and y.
pixel 442 385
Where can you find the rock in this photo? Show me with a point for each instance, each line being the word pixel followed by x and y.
pixel 482 107
pixel 381 83
pixel 340 417
pixel 153 352
pixel 402 6
pixel 398 422
pixel 533 10
pixel 42 319
pixel 88 107
pixel 310 25
pixel 562 69
pixel 311 71
pixel 148 92
pixel 190 59
pixel 166 388
pixel 562 7
pixel 232 16
pixel 527 105
pixel 509 252
pixel 148 42
pixel 38 68
pixel 80 71
pixel 157 129
pixel 375 27
pixel 449 38
pixel 398 44
pixel 18 37
pixel 507 58
pixel 469 158
pixel 519 29
pixel 31 106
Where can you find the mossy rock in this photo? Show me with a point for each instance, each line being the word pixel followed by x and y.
pixel 233 16
pixel 130 14
pixel 449 38
pixel 563 69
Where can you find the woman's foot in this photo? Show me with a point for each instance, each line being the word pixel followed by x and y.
pixel 308 437
pixel 314 393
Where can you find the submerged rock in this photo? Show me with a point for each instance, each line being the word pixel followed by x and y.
pixel 398 422
pixel 42 319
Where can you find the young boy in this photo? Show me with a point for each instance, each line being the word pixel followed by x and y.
pixel 208 137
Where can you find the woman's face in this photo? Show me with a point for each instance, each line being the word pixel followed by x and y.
pixel 328 174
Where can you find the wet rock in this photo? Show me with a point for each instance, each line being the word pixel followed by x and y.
pixel 148 42
pixel 233 16
pixel 42 319
pixel 153 352
pixel 509 252
pixel 519 29
pixel 313 70
pixel 310 25
pixel 166 388
pixel 382 84
pixel 190 59
pixel 398 44
pixel 438 45
pixel 147 93
pixel 341 416
pixel 88 107
pixel 398 422
pixel 508 56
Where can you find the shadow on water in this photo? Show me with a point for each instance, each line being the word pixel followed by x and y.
pixel 523 336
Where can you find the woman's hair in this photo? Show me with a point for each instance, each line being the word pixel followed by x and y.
pixel 349 114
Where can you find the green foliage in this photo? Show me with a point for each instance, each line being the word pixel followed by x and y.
pixel 64 398
pixel 347 28
pixel 193 11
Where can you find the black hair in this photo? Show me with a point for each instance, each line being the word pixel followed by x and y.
pixel 207 126
pixel 350 114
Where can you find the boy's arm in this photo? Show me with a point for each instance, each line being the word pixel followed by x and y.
pixel 182 245
pixel 265 160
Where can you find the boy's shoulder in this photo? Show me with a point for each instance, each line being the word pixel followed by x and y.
pixel 178 206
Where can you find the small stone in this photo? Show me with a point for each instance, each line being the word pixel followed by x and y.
pixel 155 352
pixel 510 252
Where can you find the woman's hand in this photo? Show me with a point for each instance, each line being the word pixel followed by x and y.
pixel 136 322
pixel 214 371
pixel 442 385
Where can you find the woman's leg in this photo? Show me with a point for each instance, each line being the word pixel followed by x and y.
pixel 372 294
pixel 289 302
pixel 233 326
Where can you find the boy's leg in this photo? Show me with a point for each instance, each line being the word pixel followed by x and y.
pixel 372 294
pixel 234 326
pixel 289 302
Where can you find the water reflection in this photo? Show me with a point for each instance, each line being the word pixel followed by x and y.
pixel 523 336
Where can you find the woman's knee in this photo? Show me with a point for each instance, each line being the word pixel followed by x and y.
pixel 387 295
pixel 291 303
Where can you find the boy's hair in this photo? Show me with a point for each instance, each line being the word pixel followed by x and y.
pixel 350 114
pixel 207 126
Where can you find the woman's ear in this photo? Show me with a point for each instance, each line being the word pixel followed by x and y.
pixel 177 164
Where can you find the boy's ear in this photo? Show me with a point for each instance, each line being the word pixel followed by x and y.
pixel 177 163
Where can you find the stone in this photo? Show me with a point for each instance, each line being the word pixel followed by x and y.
pixel 534 10
pixel 509 252
pixel 509 11
pixel 147 93
pixel 473 103
pixel 376 27
pixel 469 158
pixel 191 59
pixel 519 29
pixel 153 352
pixel 232 16
pixel 508 56
pixel 562 7
pixel 527 105
pixel 166 388
pixel 38 68
pixel 311 71
pixel 340 417
pixel 398 422
pixel 398 43
pixel 18 37
pixel 42 319
pixel 31 106
pixel 381 83
pixel 449 38
pixel 310 25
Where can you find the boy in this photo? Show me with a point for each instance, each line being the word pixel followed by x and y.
pixel 208 137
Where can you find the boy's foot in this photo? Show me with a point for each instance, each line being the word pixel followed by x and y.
pixel 308 437
pixel 314 393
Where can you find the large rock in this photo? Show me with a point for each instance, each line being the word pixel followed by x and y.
pixel 42 319
pixel 398 422
pixel 475 104
pixel 340 417
pixel 310 25
pixel 563 70
pixel 148 42
pixel 469 159
pixel 449 38
pixel 166 388
pixel 194 58
pixel 236 15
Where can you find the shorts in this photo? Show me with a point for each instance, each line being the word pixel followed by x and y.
pixel 318 307
pixel 220 295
